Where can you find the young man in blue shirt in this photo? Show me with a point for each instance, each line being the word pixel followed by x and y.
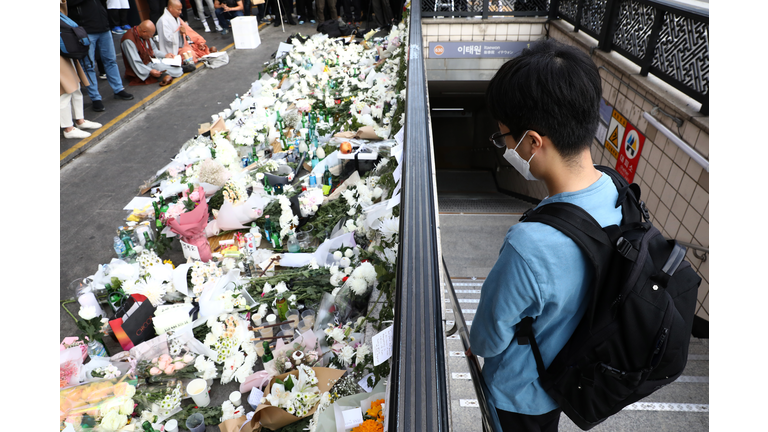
pixel 546 103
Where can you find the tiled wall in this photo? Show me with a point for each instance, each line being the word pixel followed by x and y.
pixel 475 30
pixel 675 187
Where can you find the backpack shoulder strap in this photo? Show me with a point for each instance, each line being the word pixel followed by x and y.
pixel 585 231
pixel 629 196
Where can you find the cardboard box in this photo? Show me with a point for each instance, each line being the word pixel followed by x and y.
pixel 245 30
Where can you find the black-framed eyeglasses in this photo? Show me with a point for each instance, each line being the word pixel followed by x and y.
pixel 497 138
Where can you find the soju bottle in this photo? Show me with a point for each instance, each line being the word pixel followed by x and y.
pixel 267 187
pixel 148 243
pixel 267 228
pixel 327 181
pixel 276 240
pixel 147 427
pixel 267 352
pixel 158 220
pixel 125 237
pixel 282 308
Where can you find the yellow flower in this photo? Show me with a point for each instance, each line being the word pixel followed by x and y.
pixel 375 410
pixel 370 426
pixel 169 262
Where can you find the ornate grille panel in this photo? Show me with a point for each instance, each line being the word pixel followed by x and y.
pixel 635 21
pixel 683 52
pixel 592 15
pixel 568 8
pixel 474 6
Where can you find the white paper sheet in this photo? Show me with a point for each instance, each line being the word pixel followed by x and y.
pixel 138 203
pixel 382 346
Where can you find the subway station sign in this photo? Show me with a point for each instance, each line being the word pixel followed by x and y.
pixel 625 143
pixel 476 49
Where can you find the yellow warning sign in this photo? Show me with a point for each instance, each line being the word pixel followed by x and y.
pixel 617 126
pixel 614 138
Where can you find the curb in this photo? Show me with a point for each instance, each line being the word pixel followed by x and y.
pixel 115 124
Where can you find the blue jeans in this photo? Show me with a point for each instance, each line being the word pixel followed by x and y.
pixel 107 52
pixel 224 17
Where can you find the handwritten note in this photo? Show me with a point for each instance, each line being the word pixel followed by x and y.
pixel 382 346
pixel 352 418
pixel 190 251
pixel 364 383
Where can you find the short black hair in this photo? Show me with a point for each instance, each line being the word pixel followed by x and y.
pixel 551 88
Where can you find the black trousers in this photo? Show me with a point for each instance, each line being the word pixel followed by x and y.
pixel 119 17
pixel 515 422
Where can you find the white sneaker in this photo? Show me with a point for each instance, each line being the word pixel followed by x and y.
pixel 216 23
pixel 87 124
pixel 207 27
pixel 76 133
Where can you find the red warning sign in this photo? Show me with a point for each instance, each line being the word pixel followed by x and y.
pixel 629 152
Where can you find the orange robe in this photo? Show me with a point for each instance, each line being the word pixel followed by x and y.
pixel 197 42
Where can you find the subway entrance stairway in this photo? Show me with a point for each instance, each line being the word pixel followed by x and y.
pixel 473 220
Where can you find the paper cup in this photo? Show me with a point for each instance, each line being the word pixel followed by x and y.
pixel 293 315
pixel 196 422
pixel 267 332
pixel 308 316
pixel 236 398
pixel 171 426
pixel 271 319
pixel 198 389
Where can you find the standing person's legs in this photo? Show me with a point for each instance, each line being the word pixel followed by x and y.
pixel 106 47
pixel 155 9
pixel 90 62
pixel 514 422
pixel 65 110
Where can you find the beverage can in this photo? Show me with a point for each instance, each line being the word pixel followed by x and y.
pixel 250 243
pixel 245 162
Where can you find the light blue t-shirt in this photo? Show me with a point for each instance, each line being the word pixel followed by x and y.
pixel 543 274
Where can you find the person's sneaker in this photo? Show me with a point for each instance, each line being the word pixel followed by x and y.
pixel 103 76
pixel 98 106
pixel 301 22
pixel 117 30
pixel 312 21
pixel 224 32
pixel 76 133
pixel 87 124
pixel 124 95
pixel 207 28
pixel 276 23
pixel 126 27
pixel 218 27
pixel 188 68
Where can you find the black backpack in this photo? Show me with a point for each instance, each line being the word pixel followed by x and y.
pixel 334 28
pixel 633 338
pixel 73 39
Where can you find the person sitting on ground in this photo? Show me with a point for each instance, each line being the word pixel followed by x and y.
pixel 227 10
pixel 197 43
pixel 138 56
pixel 171 33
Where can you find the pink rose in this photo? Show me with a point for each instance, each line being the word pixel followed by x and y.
pixel 195 196
pixel 188 358
pixel 178 365
pixel 155 371
pixel 169 370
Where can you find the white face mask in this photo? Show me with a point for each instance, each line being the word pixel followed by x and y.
pixel 521 165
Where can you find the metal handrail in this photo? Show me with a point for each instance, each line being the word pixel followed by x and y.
pixel 696 248
pixel 417 388
pixel 490 416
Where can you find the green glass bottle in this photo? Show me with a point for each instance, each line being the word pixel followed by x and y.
pixel 267 186
pixel 267 229
pixel 327 181
pixel 147 427
pixel 276 240
pixel 267 353
pixel 148 243
pixel 282 308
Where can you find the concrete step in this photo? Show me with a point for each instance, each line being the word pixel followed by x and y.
pixel 682 405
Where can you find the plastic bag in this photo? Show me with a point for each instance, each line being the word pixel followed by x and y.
pixel 81 405
pixel 102 362
pixel 70 363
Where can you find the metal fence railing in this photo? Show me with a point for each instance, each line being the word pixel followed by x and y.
pixel 667 39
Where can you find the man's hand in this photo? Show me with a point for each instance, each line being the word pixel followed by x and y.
pixel 155 73
pixel 201 47
pixel 468 353
pixel 169 55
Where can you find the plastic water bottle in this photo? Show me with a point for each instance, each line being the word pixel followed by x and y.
pixel 119 247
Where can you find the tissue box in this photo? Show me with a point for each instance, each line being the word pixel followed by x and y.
pixel 245 30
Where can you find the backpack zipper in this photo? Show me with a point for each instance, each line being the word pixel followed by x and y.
pixel 661 340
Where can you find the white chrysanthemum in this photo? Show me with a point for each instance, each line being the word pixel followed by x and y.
pixel 358 286
pixel 346 355
pixel 344 262
pixel 362 351
pixel 337 255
